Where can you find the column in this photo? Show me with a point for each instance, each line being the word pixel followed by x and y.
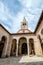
pixel 28 46
pixel 17 48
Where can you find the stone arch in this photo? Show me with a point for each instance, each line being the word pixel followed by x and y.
pixel 2 44
pixel 13 47
pixel 31 46
pixel 22 41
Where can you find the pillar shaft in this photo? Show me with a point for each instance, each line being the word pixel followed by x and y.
pixel 17 48
pixel 28 45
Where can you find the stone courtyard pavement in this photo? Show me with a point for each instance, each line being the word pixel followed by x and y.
pixel 18 61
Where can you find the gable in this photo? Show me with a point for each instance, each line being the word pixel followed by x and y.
pixel 3 32
pixel 39 25
pixel 1 26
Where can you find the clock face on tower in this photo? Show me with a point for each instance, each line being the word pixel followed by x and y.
pixel 42 31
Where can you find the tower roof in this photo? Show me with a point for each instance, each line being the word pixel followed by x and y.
pixel 24 20
pixel 24 31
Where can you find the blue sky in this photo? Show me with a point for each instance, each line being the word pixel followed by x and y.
pixel 13 11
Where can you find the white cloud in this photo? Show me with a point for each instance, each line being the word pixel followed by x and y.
pixel 33 9
pixel 30 10
pixel 7 19
pixel 26 3
pixel 5 16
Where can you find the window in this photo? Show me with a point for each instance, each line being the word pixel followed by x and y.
pixel 24 23
pixel 42 31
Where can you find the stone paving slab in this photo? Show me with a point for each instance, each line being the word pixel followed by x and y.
pixel 15 61
pixel 30 59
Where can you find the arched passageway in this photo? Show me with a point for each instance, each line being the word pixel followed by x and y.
pixel 31 46
pixel 2 43
pixel 13 47
pixel 22 46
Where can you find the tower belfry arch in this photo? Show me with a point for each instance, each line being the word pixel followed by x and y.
pixel 24 24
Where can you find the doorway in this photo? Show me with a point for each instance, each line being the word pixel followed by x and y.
pixel 24 48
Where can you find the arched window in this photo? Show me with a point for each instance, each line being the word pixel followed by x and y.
pixel 3 39
pixel 39 37
pixel 42 31
pixel 41 42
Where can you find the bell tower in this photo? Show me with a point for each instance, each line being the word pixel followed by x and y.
pixel 24 24
pixel 24 27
